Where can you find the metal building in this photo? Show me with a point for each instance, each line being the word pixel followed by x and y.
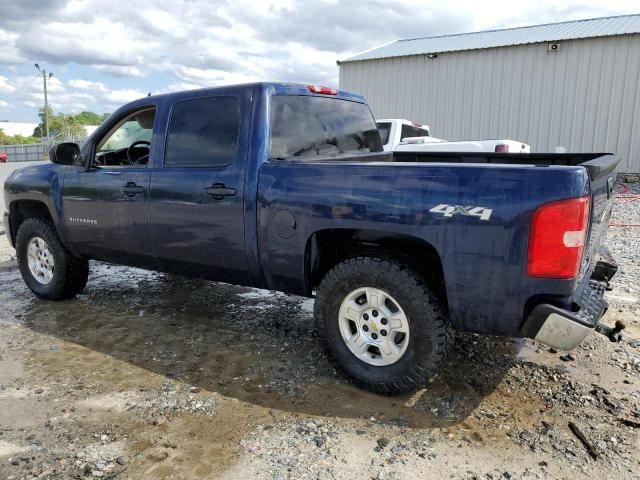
pixel 574 85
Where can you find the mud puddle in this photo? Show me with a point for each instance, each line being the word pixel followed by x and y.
pixel 153 376
pixel 255 346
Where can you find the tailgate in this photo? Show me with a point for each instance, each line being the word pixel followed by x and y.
pixel 602 180
pixel 564 327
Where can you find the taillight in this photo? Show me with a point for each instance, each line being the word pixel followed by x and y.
pixel 322 90
pixel 502 148
pixel 557 237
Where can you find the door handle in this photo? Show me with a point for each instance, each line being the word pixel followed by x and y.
pixel 218 191
pixel 131 189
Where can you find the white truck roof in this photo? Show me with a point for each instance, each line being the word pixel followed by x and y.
pixel 394 141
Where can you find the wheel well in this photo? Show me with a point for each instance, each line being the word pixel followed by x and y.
pixel 327 248
pixel 23 209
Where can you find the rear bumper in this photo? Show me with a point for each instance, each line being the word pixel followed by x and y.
pixel 563 329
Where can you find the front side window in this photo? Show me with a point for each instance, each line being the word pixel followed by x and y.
pixel 308 127
pixel 128 142
pixel 203 132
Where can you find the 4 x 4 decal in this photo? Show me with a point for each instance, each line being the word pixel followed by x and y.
pixel 471 211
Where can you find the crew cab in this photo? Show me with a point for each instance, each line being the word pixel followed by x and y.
pixel 287 187
pixel 401 135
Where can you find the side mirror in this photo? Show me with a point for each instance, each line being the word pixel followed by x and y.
pixel 65 153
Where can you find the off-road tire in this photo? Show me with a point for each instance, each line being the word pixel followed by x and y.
pixel 431 336
pixel 70 273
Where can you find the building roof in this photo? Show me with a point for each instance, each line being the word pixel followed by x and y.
pixel 594 27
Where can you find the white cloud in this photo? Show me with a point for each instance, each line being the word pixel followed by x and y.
pixel 5 105
pixel 70 96
pixel 9 53
pixel 123 96
pixel 180 86
pixel 5 85
pixel 54 85
pixel 162 45
pixel 203 77
pixel 120 71
pixel 162 20
pixel 100 42
pixel 86 85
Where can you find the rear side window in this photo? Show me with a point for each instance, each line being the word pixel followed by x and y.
pixel 203 132
pixel 307 127
pixel 411 131
pixel 385 129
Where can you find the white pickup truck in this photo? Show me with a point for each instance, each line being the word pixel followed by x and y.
pixel 401 135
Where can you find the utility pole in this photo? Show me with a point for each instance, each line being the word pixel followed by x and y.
pixel 46 100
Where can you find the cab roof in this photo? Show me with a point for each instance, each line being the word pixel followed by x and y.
pixel 273 88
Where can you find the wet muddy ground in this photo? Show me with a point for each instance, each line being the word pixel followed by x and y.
pixel 147 375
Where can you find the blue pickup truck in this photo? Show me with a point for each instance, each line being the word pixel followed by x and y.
pixel 286 187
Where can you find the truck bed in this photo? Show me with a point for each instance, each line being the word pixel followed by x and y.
pixel 597 164
pixel 571 159
pixel 346 194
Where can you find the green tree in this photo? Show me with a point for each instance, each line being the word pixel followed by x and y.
pixel 64 127
pixel 15 139
pixel 22 140
pixel 89 118
pixel 38 132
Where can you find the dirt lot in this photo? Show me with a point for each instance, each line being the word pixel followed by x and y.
pixel 147 375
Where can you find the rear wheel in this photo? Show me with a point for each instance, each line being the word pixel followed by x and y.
pixel 47 268
pixel 382 324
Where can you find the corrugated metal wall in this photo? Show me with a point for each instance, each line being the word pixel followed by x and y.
pixel 585 96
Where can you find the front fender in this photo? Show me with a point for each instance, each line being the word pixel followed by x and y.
pixel 34 190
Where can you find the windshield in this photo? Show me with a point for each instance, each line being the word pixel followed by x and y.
pixel 384 128
pixel 310 127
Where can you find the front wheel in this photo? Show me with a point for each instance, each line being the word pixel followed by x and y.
pixel 47 268
pixel 382 324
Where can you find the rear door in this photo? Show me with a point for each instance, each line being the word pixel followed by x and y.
pixel 197 193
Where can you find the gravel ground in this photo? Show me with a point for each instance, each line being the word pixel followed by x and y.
pixel 147 375
pixel 624 241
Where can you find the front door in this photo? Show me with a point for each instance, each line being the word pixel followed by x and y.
pixel 197 207
pixel 106 203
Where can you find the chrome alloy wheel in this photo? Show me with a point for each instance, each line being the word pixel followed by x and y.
pixel 374 326
pixel 40 260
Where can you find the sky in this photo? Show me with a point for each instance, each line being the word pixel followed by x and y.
pixel 104 53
